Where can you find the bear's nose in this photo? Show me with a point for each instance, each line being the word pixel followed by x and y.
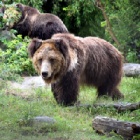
pixel 44 74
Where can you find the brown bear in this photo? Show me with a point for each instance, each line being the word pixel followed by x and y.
pixel 66 61
pixel 35 24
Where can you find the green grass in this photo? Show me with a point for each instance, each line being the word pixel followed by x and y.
pixel 72 123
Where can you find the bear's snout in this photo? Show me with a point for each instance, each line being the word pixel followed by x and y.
pixel 44 74
pixel 46 70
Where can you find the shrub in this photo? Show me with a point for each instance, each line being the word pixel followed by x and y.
pixel 15 57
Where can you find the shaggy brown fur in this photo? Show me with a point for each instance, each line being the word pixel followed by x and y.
pixel 73 60
pixel 36 24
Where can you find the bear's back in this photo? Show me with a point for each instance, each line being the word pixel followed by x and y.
pixel 101 47
pixel 102 59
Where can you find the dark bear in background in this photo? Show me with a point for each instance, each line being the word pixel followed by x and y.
pixel 37 25
pixel 65 61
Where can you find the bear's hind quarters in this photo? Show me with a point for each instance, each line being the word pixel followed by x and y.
pixel 115 93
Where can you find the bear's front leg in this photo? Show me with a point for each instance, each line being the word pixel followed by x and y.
pixel 66 90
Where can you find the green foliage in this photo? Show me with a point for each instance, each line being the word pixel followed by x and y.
pixel 81 17
pixel 15 58
pixel 124 18
pixel 132 56
pixel 33 3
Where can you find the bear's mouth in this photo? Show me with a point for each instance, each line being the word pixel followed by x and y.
pixel 47 79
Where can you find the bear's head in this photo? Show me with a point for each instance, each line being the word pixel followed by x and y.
pixel 50 58
pixel 17 14
pixel 11 15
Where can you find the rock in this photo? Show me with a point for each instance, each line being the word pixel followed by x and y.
pixel 131 69
pixel 29 82
pixel 43 119
pixel 44 122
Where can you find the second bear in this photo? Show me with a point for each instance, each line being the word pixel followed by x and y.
pixel 35 24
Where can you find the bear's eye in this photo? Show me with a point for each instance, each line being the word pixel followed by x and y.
pixel 40 61
pixel 52 60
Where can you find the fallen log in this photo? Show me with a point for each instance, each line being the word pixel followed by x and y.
pixel 108 126
pixel 118 106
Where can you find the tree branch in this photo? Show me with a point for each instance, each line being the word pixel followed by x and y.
pixel 118 107
pixel 109 28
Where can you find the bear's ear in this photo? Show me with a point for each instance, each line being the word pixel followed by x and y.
pixel 33 46
pixel 62 46
pixel 20 7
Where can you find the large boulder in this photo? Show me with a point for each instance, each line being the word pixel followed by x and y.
pixel 29 82
pixel 131 69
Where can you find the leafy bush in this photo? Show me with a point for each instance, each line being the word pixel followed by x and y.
pixel 83 14
pixel 132 56
pixel 33 3
pixel 11 15
pixel 15 57
pixel 124 18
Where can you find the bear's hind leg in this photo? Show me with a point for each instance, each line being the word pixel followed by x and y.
pixel 116 94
